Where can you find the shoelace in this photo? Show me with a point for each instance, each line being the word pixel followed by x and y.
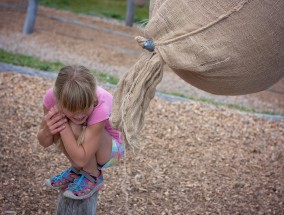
pixel 78 184
pixel 60 177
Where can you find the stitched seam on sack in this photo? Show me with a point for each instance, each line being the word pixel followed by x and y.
pixel 237 8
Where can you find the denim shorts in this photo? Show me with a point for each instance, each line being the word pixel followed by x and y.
pixel 116 154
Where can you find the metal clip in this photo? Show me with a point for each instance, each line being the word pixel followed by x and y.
pixel 149 45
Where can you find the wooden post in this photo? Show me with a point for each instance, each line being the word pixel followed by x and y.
pixel 67 206
pixel 130 12
pixel 30 17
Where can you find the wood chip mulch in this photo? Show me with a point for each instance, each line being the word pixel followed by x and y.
pixel 195 158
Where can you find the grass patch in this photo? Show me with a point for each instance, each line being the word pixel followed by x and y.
pixel 179 95
pixel 106 78
pixel 36 63
pixel 220 104
pixel 109 8
pixel 28 61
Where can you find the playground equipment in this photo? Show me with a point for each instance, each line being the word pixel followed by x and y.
pixel 30 17
pixel 130 11
pixel 223 47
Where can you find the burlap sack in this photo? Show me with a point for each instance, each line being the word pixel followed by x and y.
pixel 223 47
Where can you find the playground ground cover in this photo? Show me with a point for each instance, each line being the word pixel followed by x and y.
pixel 195 158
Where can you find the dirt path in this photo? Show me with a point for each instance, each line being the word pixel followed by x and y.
pixel 105 45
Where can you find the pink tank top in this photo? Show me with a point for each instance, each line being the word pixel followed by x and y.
pixel 100 113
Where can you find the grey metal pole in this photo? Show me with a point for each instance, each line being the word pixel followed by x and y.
pixel 30 17
pixel 130 12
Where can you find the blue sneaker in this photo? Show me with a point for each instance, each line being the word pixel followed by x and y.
pixel 62 180
pixel 84 186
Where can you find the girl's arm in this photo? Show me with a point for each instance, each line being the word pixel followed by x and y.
pixel 81 153
pixel 77 129
pixel 52 123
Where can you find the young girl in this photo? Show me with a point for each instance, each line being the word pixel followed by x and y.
pixel 73 106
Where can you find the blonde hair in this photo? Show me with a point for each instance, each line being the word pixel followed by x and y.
pixel 75 88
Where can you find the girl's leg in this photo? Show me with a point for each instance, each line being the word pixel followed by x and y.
pixel 76 129
pixel 69 158
pixel 63 179
pixel 101 156
pixel 91 179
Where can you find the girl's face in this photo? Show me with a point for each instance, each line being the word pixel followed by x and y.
pixel 78 117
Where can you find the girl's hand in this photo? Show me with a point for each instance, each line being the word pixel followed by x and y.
pixel 54 121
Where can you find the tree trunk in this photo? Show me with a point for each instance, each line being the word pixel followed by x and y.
pixel 130 12
pixel 30 17
pixel 67 206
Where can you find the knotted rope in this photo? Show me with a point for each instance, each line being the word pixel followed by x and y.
pixel 134 92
